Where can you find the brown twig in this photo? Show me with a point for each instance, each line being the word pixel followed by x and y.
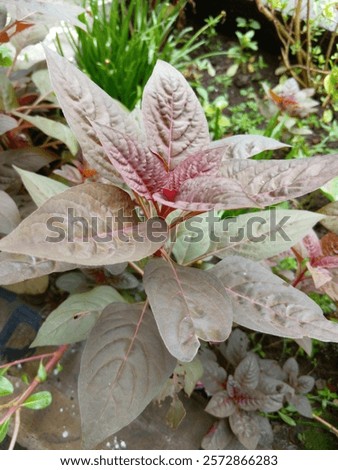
pixel 136 268
pixel 326 424
pixel 330 46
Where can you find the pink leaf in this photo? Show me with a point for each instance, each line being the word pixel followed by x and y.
pixel 173 117
pixel 204 163
pixel 327 262
pixel 272 181
pixel 245 146
pixel 205 193
pixel 139 168
pixel 312 245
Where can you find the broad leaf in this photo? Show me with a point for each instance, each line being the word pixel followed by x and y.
pixel 42 82
pixel 206 193
pixel 218 437
pixel 192 238
pixel 124 366
pixel 82 100
pixel 214 375
pixel 29 36
pixel 331 189
pixel 236 347
pixel 221 405
pixel 263 302
pixel 253 183
pixel 39 187
pixel 9 214
pixel 187 304
pixel 191 373
pixel 36 286
pixel 272 181
pixel 291 368
pixel 247 372
pixel 305 384
pixel 72 321
pixel 7 123
pixel 302 405
pixel 3 430
pixel 6 387
pixel 38 401
pixel 176 413
pixel 274 391
pixel 174 119
pixel 40 10
pixel 54 129
pixel 74 282
pixel 203 163
pixel 245 146
pixel 90 224
pixel 245 427
pixel 29 158
pixel 331 221
pixel 16 268
pixel 261 235
pixel 139 168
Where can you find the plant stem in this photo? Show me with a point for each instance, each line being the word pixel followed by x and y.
pixel 16 430
pixel 136 268
pixel 326 424
pixel 35 383
pixel 27 359
pixel 330 47
pixel 308 43
pixel 299 278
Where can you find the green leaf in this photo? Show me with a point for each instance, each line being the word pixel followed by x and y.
pixel 25 379
pixel 176 413
pixel 43 84
pixel 8 99
pixel 5 56
pixel 192 239
pixel 6 388
pixel 330 190
pixel 3 430
pixel 261 235
pixel 192 372
pixel 287 419
pixel 39 187
pixel 75 317
pixel 38 401
pixel 42 373
pixel 54 129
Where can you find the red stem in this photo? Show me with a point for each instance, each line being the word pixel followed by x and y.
pixel 27 359
pixel 35 383
pixel 299 278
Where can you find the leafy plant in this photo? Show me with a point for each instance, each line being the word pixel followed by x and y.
pixel 241 53
pixel 164 160
pixel 256 386
pixel 26 398
pixel 300 28
pixel 125 39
